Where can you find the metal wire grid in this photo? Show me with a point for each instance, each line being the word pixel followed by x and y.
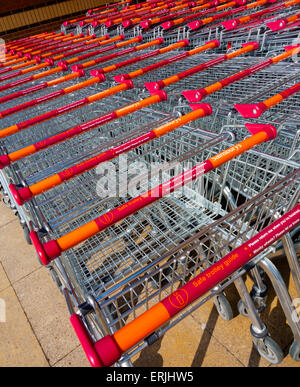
pixel 131 297
pixel 203 203
pixel 61 73
pixel 85 92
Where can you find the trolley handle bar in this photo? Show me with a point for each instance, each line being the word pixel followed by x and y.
pixel 48 251
pixel 108 350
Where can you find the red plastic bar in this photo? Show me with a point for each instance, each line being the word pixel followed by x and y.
pixel 194 25
pixel 282 23
pixel 109 349
pixel 256 110
pixel 63 66
pixel 97 77
pixel 155 86
pixel 234 23
pixel 198 95
pixel 211 7
pixel 68 174
pixel 50 250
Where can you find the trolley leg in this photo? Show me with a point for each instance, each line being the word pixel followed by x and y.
pixel 291 255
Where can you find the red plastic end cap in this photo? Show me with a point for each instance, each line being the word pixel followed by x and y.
pixel 162 95
pixel 153 87
pixel 191 4
pixel 50 61
pixel 12 52
pixel 93 36
pixel 122 37
pixel 254 44
pixel 108 23
pixel 108 351
pixel 161 40
pixel 38 59
pixel 99 74
pixel 4 161
pixel 81 73
pixel 121 78
pixel 82 23
pixel 63 64
pixel 230 24
pixel 76 68
pixel 52 250
pixel 167 25
pixel 193 96
pixel 251 110
pixel 126 23
pixel 89 11
pixel 276 25
pixel 95 24
pixel 215 41
pixel 204 106
pixel 256 128
pixel 20 54
pixel 194 25
pixel 241 2
pixel 22 195
pixel 39 248
pixel 140 38
pixel 185 41
pixel 66 23
pixel 145 24
pixel 129 84
pixel 106 36
pixel 28 56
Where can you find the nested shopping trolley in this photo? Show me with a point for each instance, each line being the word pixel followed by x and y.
pixel 134 245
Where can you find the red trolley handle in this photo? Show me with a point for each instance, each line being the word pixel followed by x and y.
pixel 63 65
pixel 108 350
pixel 49 251
pixel 256 110
pixel 98 76
pixel 172 23
pixel 153 87
pixel 27 193
pixel 194 25
pixel 234 23
pixel 198 95
pixel 50 61
pixel 282 23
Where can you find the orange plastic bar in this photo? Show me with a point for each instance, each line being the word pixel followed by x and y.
pixel 57 179
pixel 256 110
pixel 197 95
pixel 54 248
pixel 108 350
pixel 154 86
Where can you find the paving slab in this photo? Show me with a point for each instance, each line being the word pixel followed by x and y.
pixel 48 314
pixel 76 358
pixel 18 344
pixel 17 257
pixel 6 215
pixel 187 344
pixel 4 281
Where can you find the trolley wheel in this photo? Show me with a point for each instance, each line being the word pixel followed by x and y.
pixel 295 351
pixel 26 234
pixel 269 350
pixel 223 307
pixel 242 308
